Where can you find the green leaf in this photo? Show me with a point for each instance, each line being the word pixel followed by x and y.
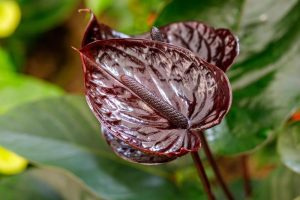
pixel 266 76
pixel 288 146
pixel 27 187
pixel 19 89
pixel 61 132
pixel 44 183
pixel 280 184
pixel 42 15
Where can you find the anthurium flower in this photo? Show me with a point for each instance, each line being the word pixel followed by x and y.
pixel 152 97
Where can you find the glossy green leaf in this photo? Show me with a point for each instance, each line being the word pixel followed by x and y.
pixel 266 75
pixel 62 132
pixel 18 89
pixel 44 184
pixel 288 146
pixel 42 15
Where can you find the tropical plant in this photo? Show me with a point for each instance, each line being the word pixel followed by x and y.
pixel 256 146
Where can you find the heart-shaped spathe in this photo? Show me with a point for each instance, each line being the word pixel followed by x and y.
pixel 120 73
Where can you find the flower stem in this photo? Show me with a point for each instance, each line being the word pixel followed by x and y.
pixel 214 166
pixel 246 177
pixel 202 175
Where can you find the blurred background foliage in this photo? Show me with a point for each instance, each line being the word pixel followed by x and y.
pixel 65 157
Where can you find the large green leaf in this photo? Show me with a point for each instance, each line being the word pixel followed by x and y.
pixel 27 187
pixel 42 15
pixel 289 146
pixel 266 76
pixel 44 184
pixel 61 132
pixel 18 89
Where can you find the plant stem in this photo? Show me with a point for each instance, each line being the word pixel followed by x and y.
pixel 214 166
pixel 246 176
pixel 202 175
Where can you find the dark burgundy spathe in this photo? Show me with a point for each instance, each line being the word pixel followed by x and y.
pixel 150 96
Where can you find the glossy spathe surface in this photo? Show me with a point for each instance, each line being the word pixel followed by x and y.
pixel 216 46
pixel 132 154
pixel 194 88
